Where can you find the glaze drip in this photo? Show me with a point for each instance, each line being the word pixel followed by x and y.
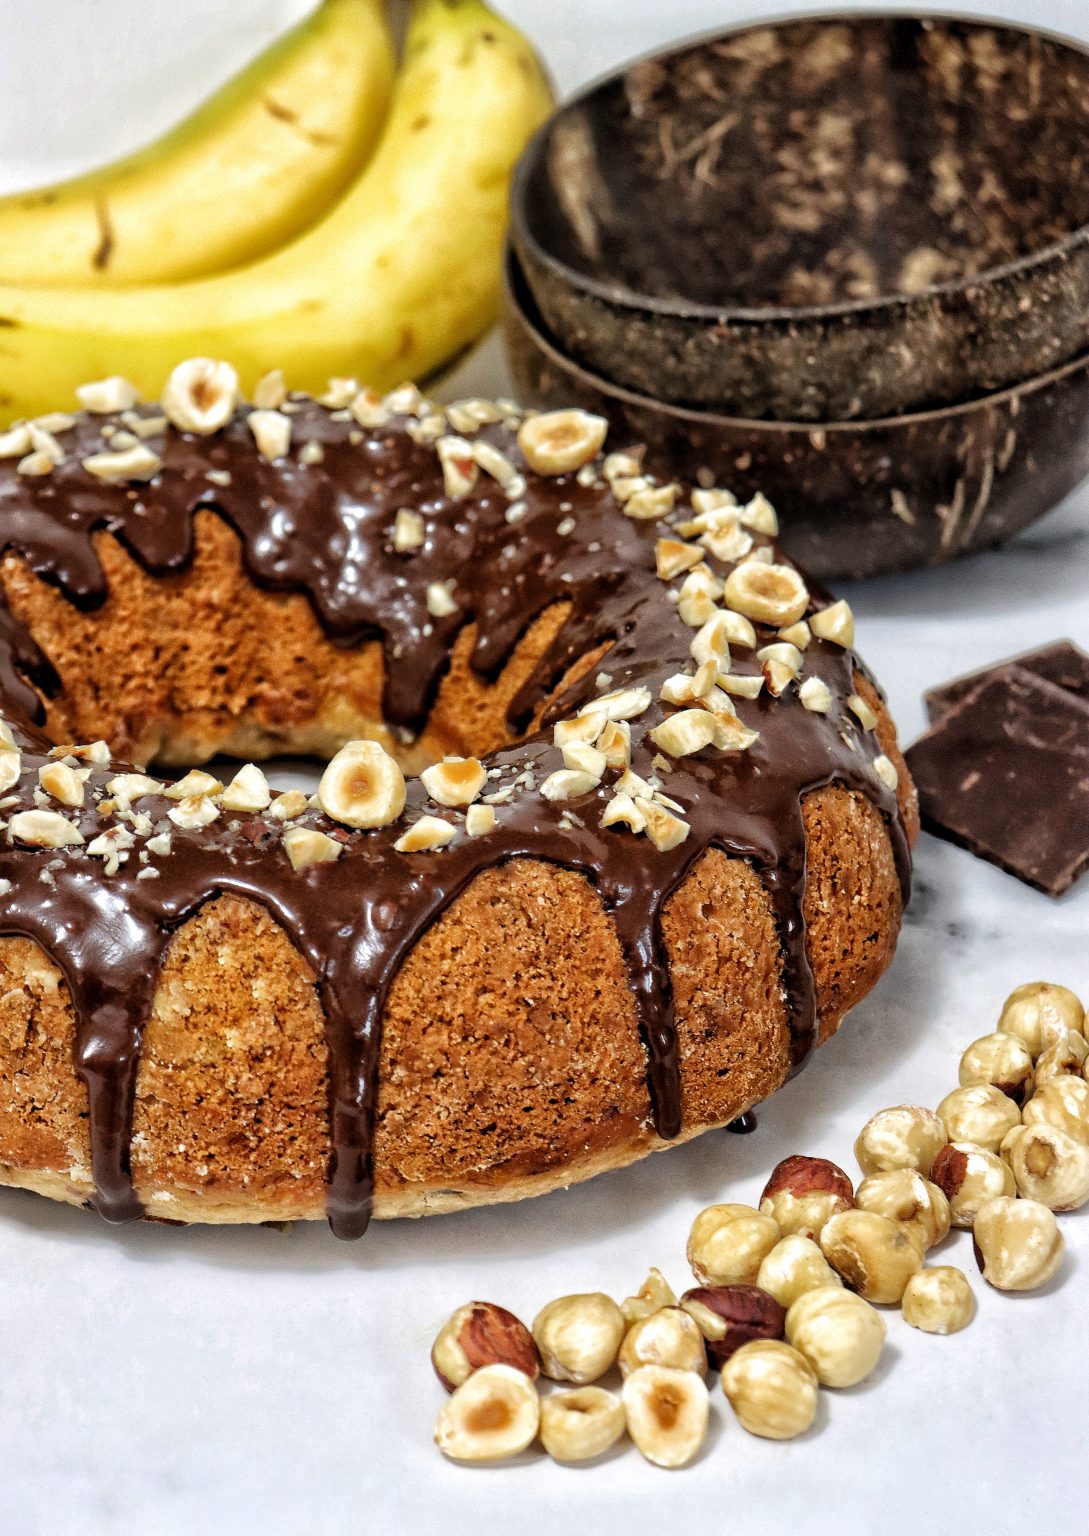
pixel 324 529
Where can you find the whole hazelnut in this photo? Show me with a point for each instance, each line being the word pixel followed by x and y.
pixel 874 1255
pixel 772 1389
pixel 904 1196
pixel 1018 1244
pixel 1048 1165
pixel 669 1336
pixel 578 1336
pixel 1002 1060
pixel 795 1265
pixel 981 1114
pixel 803 1192
pixel 727 1244
pixel 481 1333
pixel 1067 1057
pixel 905 1136
pixel 731 1315
pixel 938 1300
pixel 1061 1101
pixel 838 1333
pixel 1040 1013
pixel 968 1177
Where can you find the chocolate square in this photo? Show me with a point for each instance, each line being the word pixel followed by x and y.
pixel 1005 773
pixel 1061 663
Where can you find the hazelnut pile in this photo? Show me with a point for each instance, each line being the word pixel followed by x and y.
pixel 787 1294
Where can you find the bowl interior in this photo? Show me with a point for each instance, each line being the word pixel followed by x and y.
pixel 816 162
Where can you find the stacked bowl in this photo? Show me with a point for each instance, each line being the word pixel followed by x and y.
pixel 842 259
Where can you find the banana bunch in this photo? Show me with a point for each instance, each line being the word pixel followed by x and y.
pixel 256 164
pixel 400 275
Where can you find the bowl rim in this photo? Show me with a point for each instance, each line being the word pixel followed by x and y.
pixel 513 278
pixel 622 297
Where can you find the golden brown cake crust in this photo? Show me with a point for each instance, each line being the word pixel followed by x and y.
pixel 511 1057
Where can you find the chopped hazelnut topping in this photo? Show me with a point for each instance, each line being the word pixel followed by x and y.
pixel 568 784
pixel 11 766
pixel 711 499
pixel 494 463
pixel 288 806
pixel 137 463
pixel 60 781
pixel 585 759
pixel 44 829
pixel 614 744
pixel 194 812
pixel 306 846
pixel 106 395
pixel 835 624
pixel 623 811
pixel 409 531
pixel 126 787
pixel 688 731
pixel 651 503
pixel 111 845
pixel 858 707
pixel 742 685
pixel 271 432
pixel 96 752
pixel 340 394
pixel 35 464
pixel 731 735
pixel 798 634
pixel 700 591
pixel 196 782
pixel 459 467
pixel 479 820
pixel 270 391
pixel 440 600
pixel 248 791
pixel 672 557
pixel 311 452
pixel 15 442
pixel 454 781
pixel 618 466
pixel 368 409
pixel 885 769
pixel 665 830
pixel 727 543
pixel 816 695
pixel 427 835
pixel 760 514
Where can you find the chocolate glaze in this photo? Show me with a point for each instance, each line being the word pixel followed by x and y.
pixel 324 529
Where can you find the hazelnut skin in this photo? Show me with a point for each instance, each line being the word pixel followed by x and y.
pixel 478 1334
pixel 731 1315
pixel 803 1192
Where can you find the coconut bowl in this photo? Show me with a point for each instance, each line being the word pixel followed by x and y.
pixel 856 498
pixel 818 219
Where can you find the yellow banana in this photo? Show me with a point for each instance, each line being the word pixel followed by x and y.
pixel 401 275
pixel 250 169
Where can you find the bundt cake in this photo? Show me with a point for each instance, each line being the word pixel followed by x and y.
pixel 657 848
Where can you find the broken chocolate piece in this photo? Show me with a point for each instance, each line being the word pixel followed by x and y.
pixel 1061 663
pixel 1005 773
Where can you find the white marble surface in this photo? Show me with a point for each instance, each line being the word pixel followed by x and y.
pixel 166 1382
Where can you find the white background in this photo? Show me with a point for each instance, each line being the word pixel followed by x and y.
pixel 157 1381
